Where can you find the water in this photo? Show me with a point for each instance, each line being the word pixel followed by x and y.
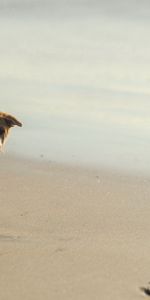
pixel 76 73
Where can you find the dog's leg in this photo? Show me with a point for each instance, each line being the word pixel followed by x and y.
pixel 1 146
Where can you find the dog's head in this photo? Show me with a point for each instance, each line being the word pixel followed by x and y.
pixel 6 123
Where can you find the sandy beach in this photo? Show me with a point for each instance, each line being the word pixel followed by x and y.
pixel 72 233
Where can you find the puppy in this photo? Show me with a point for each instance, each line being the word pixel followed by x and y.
pixel 6 123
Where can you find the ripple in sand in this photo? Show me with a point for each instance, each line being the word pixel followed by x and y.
pixel 9 238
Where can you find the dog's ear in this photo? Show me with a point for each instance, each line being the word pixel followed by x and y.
pixel 12 121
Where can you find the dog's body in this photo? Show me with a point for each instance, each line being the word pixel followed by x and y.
pixel 6 123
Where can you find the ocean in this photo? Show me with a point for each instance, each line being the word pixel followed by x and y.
pixel 77 73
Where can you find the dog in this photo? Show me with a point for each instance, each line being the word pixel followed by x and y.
pixel 7 121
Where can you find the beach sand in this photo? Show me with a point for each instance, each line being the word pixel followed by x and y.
pixel 72 233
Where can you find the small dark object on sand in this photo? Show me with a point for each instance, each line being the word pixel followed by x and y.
pixel 146 290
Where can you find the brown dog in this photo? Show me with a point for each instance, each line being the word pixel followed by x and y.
pixel 6 122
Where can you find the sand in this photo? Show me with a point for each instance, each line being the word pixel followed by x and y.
pixel 72 233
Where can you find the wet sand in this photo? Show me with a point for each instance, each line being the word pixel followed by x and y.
pixel 72 233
